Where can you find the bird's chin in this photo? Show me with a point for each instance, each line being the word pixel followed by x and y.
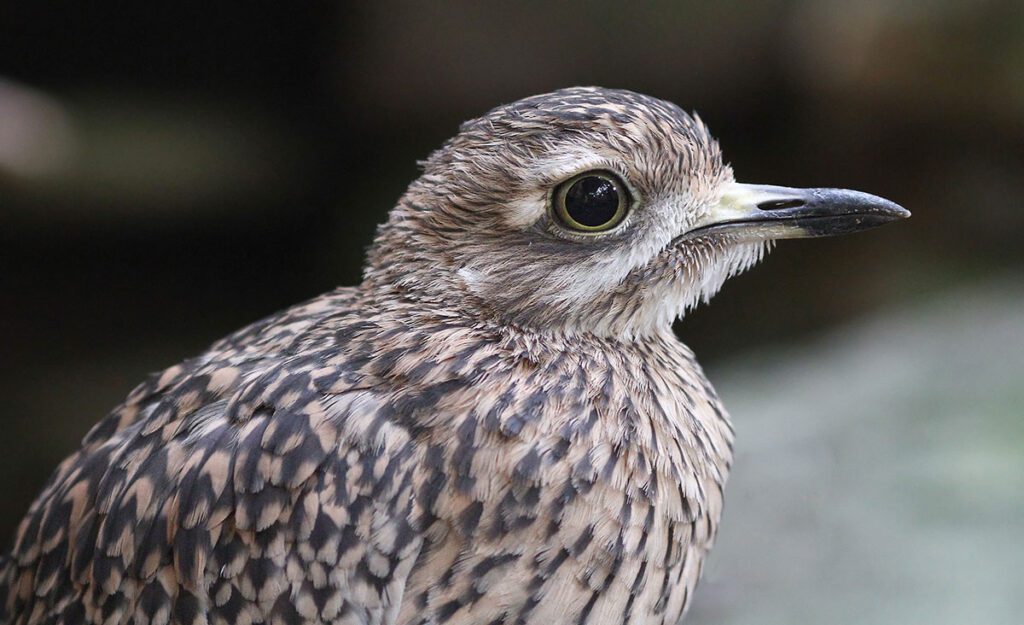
pixel 690 272
pixel 713 258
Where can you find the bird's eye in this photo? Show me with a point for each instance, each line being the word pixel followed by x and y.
pixel 591 202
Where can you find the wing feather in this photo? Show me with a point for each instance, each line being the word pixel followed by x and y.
pixel 225 492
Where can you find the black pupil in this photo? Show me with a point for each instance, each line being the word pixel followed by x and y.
pixel 592 201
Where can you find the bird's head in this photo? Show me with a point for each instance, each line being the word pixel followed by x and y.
pixel 592 210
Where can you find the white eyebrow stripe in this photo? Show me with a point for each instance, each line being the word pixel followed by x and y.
pixel 525 212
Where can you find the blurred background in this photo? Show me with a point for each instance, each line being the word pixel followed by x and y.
pixel 172 171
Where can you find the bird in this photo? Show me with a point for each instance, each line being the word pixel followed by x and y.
pixel 496 426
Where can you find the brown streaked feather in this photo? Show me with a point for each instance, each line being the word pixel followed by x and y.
pixel 430 447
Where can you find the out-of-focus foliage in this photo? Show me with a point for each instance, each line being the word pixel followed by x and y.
pixel 170 172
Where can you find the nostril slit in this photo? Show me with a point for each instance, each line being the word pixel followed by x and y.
pixel 775 205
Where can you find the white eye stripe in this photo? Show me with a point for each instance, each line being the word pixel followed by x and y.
pixel 525 212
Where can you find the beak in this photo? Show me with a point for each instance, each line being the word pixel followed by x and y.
pixel 758 212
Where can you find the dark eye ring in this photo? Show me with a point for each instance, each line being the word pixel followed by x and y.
pixel 594 201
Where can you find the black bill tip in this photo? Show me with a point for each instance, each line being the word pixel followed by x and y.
pixel 830 212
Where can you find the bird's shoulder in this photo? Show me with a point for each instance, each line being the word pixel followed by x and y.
pixel 265 476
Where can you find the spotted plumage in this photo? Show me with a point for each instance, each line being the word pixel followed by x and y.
pixel 496 426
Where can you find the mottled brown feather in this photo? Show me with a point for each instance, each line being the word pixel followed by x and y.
pixel 422 448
